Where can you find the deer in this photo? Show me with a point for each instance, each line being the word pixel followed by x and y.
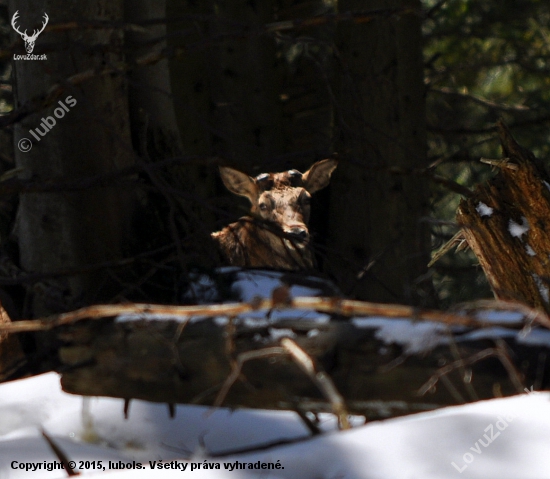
pixel 275 232
pixel 29 40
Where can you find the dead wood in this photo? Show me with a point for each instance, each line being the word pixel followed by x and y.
pixel 506 223
pixel 214 355
pixel 237 355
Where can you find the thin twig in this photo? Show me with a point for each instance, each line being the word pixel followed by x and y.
pixel 457 238
pixel 305 363
pixel 501 163
pixel 320 378
pixel 237 367
pixel 60 455
pixel 448 368
pixel 499 352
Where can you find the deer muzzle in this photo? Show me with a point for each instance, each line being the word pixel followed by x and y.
pixel 297 236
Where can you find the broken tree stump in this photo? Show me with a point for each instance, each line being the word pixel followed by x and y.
pixel 506 222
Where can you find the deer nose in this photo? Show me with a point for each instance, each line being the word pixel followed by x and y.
pixel 299 233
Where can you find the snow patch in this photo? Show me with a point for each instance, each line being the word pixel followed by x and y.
pixel 278 333
pixel 221 321
pixel 513 318
pixel 253 284
pixel 312 333
pixel 124 318
pixel 530 251
pixel 516 230
pixel 543 289
pixel 484 210
pixel 414 336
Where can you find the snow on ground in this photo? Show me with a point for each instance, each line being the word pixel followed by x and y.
pixel 500 438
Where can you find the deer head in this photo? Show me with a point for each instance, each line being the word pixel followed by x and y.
pixel 281 201
pixel 29 40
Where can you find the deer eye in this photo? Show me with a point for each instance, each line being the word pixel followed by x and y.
pixel 263 207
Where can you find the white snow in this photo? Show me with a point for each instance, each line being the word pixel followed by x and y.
pixel 246 285
pixel 278 333
pixel 530 251
pixel 497 439
pixel 312 333
pixel 122 318
pixel 484 210
pixel 516 230
pixel 415 336
pixel 261 283
pixel 536 337
pixel 422 336
pixel 543 288
pixel 513 318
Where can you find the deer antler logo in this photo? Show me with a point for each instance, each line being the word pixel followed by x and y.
pixel 29 40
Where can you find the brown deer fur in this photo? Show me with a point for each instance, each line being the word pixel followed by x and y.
pixel 275 234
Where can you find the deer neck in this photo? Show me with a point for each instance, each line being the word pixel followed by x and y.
pixel 267 247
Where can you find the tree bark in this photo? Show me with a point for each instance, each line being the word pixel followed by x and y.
pixel 63 230
pixel 378 245
pixel 151 100
pixel 247 78
pixel 505 224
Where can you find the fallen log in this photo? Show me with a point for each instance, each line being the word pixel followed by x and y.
pixel 350 362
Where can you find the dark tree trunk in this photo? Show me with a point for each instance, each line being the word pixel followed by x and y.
pixel 151 100
pixel 73 229
pixel 378 246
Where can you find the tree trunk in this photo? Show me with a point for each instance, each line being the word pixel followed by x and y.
pixel 191 87
pixel 151 99
pixel 72 229
pixel 378 246
pixel 247 75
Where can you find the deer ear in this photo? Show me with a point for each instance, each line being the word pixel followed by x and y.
pixel 318 176
pixel 239 183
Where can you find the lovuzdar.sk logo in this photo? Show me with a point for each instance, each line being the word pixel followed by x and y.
pixel 29 40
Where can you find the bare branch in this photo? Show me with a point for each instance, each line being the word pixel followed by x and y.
pixel 320 378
